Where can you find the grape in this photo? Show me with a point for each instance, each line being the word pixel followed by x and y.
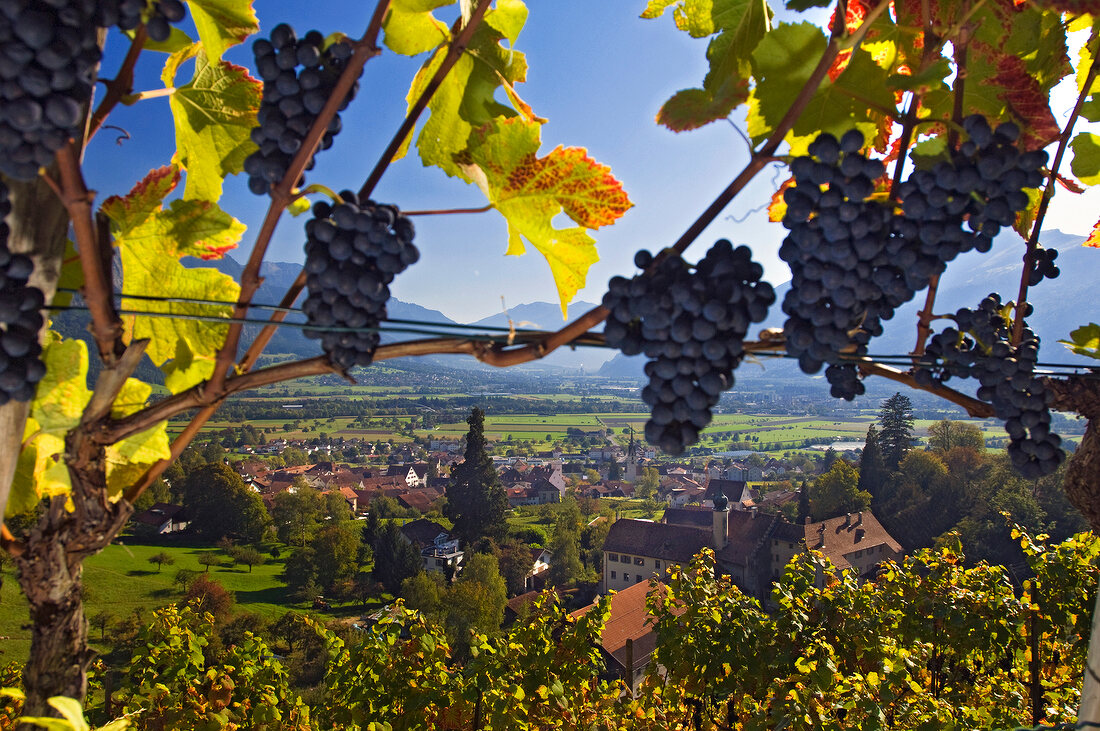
pixel 1042 266
pixel 299 76
pixel 127 15
pixel 691 324
pixel 20 319
pixel 980 347
pixel 844 279
pixel 353 251
pixel 49 59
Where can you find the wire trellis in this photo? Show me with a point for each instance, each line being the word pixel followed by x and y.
pixel 487 333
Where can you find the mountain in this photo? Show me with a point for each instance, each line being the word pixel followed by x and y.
pixel 278 276
pixel 1060 305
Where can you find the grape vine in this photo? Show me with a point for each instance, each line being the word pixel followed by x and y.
pixel 20 319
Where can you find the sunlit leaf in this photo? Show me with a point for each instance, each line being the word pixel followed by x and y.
pixel 223 23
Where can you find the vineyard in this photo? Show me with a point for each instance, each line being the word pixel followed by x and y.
pixel 907 132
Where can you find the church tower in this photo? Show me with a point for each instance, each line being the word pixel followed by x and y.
pixel 630 472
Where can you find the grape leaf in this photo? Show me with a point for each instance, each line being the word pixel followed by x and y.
pixel 508 17
pixel 1093 241
pixel 1086 158
pixel 1027 100
pixel 701 18
pixel 782 63
pixel 151 248
pixel 1085 340
pixel 465 100
pixel 692 108
pixel 214 114
pixel 223 23
pixel 130 458
pixel 59 401
pixel 530 191
pixel 411 28
pixel 177 40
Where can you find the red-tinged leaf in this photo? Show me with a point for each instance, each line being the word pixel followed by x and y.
pixel 1093 241
pixel 1069 184
pixel 853 19
pixel 777 208
pixel 144 199
pixel 693 108
pixel 1023 95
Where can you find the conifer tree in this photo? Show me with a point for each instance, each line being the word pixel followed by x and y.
pixel 896 420
pixel 872 468
pixel 476 501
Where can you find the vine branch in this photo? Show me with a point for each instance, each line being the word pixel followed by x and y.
pixel 365 49
pixel 454 52
pixel 106 326
pixel 1044 202
pixel 120 86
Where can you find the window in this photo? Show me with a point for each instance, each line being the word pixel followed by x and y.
pixel 612 557
pixel 439 562
pixel 639 561
pixel 657 565
pixel 612 574
pixel 626 577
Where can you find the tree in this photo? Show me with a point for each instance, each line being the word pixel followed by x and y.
pixel 101 620
pixel 872 468
pixel 208 559
pixel 804 502
pixel 425 592
pixel 336 551
pixel 297 515
pixel 514 559
pixel 476 501
pixel 565 567
pixel 646 486
pixel 476 601
pixel 837 491
pixel 945 434
pixel 896 437
pixel 221 504
pixel 248 556
pixel 160 558
pixel 395 559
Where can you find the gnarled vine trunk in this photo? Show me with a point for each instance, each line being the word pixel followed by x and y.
pixel 50 566
pixel 1082 479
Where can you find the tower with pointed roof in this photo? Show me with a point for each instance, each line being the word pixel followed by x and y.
pixel 630 471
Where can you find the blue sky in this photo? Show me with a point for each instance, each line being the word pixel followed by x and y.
pixel 599 74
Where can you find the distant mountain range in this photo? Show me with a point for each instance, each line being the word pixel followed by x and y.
pixel 278 276
pixel 1060 306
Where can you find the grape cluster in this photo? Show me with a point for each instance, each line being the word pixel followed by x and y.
pixel 844 280
pixel 980 347
pixel 1042 266
pixel 20 319
pixel 299 76
pixel 691 324
pixel 126 14
pixel 48 56
pixel 353 252
pixel 961 204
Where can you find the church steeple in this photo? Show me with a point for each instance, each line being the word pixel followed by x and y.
pixel 630 473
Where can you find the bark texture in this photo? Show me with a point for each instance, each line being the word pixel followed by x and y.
pixel 50 564
pixel 1082 481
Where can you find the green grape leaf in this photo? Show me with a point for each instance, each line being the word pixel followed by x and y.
pixel 1085 340
pixel 1086 158
pixel 71 710
pixel 508 17
pixel 1090 110
pixel 214 114
pixel 803 5
pixel 59 401
pixel 465 100
pixel 923 81
pixel 701 18
pixel 223 23
pixel 71 276
pixel 690 109
pixel 530 191
pixel 411 29
pixel 151 250
pixel 782 63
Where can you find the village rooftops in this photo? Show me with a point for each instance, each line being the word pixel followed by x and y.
pixel 659 540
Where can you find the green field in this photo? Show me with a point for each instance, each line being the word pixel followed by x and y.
pixel 121 579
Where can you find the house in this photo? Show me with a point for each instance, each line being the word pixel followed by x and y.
pixel 439 551
pixel 162 518
pixel 628 639
pixel 540 564
pixel 752 548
